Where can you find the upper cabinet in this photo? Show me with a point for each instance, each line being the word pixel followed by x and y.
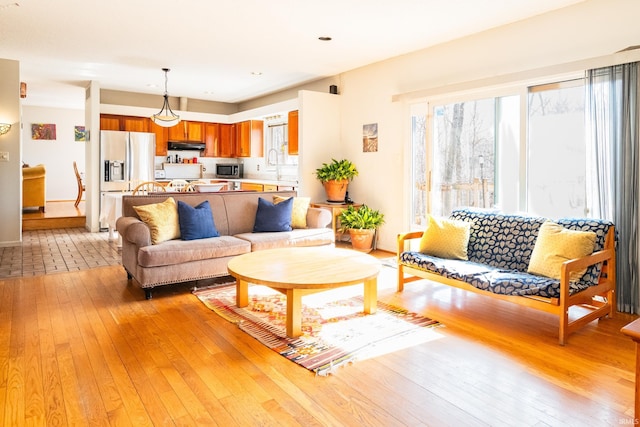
pixel 136 124
pixel 249 137
pixel 124 123
pixel 293 132
pixel 219 140
pixel 227 141
pixel 211 140
pixel 187 131
pixel 244 139
pixel 162 138
pixel 108 122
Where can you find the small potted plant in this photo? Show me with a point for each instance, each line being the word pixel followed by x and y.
pixel 335 177
pixel 362 223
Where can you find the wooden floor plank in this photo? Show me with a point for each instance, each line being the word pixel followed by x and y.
pixel 6 312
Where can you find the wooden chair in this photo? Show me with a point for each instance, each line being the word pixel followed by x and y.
pixel 149 187
pixel 81 187
pixel 177 185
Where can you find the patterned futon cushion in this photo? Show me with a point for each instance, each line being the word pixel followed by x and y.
pixel 500 240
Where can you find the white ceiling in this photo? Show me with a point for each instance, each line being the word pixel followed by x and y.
pixel 213 46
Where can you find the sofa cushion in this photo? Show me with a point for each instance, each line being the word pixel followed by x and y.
pixel 555 245
pixel 273 217
pixel 298 237
pixel 162 219
pixel 446 238
pixel 175 252
pixel 299 210
pixel 196 222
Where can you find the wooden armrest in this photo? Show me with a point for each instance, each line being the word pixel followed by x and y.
pixel 587 261
pixel 579 264
pixel 403 237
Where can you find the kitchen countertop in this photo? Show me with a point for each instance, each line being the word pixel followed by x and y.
pixel 259 181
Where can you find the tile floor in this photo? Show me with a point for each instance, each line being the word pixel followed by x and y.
pixel 51 251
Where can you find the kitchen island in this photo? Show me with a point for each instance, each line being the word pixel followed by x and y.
pixel 254 184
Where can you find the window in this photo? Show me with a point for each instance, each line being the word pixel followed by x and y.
pixel 556 155
pixel 512 152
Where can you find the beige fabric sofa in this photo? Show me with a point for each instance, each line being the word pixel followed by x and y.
pixel 176 261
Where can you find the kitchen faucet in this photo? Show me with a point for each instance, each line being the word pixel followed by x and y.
pixel 277 162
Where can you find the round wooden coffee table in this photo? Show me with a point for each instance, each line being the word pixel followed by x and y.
pixel 303 270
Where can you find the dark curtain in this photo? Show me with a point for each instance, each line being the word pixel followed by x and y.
pixel 612 153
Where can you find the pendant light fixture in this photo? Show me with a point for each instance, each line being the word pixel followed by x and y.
pixel 166 117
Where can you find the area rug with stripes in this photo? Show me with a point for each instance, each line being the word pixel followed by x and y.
pixel 335 328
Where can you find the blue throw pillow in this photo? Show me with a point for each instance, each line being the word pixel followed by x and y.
pixel 270 217
pixel 196 223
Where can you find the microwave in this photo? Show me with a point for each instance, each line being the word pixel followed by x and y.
pixel 228 170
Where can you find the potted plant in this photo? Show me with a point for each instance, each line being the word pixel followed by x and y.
pixel 362 223
pixel 335 177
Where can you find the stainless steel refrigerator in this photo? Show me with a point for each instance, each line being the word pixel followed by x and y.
pixel 126 159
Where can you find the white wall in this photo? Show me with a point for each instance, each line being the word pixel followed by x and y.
pixel 591 29
pixel 319 139
pixel 57 155
pixel 11 171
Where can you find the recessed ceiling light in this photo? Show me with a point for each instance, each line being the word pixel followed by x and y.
pixel 256 73
pixel 324 38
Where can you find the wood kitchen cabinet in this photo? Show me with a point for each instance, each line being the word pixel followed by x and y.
pixel 227 140
pixel 124 123
pixel 109 122
pixel 136 124
pixel 292 126
pixel 249 138
pixel 211 140
pixel 187 131
pixel 219 140
pixel 250 186
pixel 162 138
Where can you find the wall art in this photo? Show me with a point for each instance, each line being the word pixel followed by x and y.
pixel 80 133
pixel 43 131
pixel 370 137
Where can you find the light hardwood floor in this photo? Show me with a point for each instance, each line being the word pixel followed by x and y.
pixel 86 348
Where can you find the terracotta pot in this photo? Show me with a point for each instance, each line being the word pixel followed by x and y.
pixel 336 190
pixel 362 240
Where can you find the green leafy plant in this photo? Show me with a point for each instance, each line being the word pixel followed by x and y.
pixel 336 170
pixel 360 218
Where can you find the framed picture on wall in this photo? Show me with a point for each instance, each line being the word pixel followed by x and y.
pixel 43 131
pixel 80 134
pixel 370 138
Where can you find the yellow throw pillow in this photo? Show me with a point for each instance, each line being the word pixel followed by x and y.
pixel 555 245
pixel 162 219
pixel 446 238
pixel 299 210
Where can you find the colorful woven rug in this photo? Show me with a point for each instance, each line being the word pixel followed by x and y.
pixel 335 328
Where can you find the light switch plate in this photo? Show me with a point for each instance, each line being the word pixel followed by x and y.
pixel 4 156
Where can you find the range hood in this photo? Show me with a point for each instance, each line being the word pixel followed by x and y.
pixel 186 145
